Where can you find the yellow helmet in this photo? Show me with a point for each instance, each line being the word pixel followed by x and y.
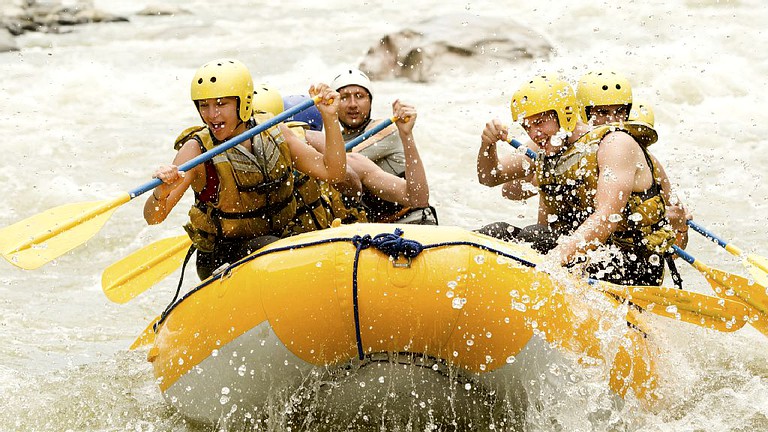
pixel 546 93
pixel 599 88
pixel 267 99
pixel 641 122
pixel 225 78
pixel 642 112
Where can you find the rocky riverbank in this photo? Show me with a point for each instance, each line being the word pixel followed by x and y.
pixel 56 16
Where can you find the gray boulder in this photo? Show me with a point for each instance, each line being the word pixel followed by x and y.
pixel 452 43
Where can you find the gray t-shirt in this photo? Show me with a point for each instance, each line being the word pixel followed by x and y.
pixel 387 152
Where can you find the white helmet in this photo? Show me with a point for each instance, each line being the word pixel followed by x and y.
pixel 350 77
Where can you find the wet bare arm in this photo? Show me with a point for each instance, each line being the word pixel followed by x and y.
pixel 164 197
pixel 493 169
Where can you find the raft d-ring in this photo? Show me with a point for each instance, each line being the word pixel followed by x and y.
pixel 225 270
pixel 404 264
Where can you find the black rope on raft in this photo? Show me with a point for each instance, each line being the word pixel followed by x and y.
pixel 393 245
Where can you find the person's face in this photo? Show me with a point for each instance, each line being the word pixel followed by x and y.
pixel 354 106
pixel 602 114
pixel 220 115
pixel 541 128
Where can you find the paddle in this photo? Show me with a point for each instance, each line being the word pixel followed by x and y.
pixel 688 306
pixel 134 274
pixel 517 144
pixel 44 237
pixel 757 265
pixel 731 286
pixel 369 133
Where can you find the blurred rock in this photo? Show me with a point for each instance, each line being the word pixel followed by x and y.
pixel 50 16
pixel 162 10
pixel 7 43
pixel 444 44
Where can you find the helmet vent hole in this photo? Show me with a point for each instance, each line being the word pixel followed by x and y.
pixel 618 86
pixel 200 81
pixel 213 79
pixel 605 87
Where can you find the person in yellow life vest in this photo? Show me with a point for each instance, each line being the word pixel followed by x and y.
pixel 605 97
pixel 244 197
pixel 318 203
pixel 408 190
pixel 596 187
pixel 385 149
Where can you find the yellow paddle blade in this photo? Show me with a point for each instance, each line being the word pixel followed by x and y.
pixel 46 236
pixel 734 287
pixel 137 272
pixel 694 308
pixel 758 268
pixel 147 337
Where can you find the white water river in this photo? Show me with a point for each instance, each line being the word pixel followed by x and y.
pixel 89 114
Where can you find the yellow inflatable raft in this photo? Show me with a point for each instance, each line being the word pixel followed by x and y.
pixel 450 310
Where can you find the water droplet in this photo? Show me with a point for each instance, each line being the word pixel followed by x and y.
pixel 480 259
pixel 654 259
pixel 214 353
pixel 488 335
pixel 457 303
pixel 449 294
pixel 470 342
pixel 615 217
pixel 362 383
pixel 453 284
pixel 510 359
pixel 482 367
pixel 552 218
pixel 241 370
pixel 635 217
pixel 319 264
pixel 381 379
pixel 224 399
pixel 671 309
pixel 467 386
pixel 455 353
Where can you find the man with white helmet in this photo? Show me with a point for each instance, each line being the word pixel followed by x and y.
pixel 385 149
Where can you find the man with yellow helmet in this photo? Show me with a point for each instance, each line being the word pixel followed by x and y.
pixel 595 186
pixel 605 97
pixel 244 196
pixel 385 149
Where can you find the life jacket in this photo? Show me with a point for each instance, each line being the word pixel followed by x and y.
pixel 568 183
pixel 386 151
pixel 317 202
pixel 247 194
pixel 642 132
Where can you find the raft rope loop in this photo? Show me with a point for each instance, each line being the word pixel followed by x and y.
pixel 393 245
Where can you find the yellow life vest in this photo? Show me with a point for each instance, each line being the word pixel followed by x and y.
pixel 255 193
pixel 317 202
pixel 568 184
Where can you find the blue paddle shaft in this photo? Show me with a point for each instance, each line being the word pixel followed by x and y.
pixel 528 152
pixel 683 254
pixel 221 148
pixel 703 231
pixel 367 134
